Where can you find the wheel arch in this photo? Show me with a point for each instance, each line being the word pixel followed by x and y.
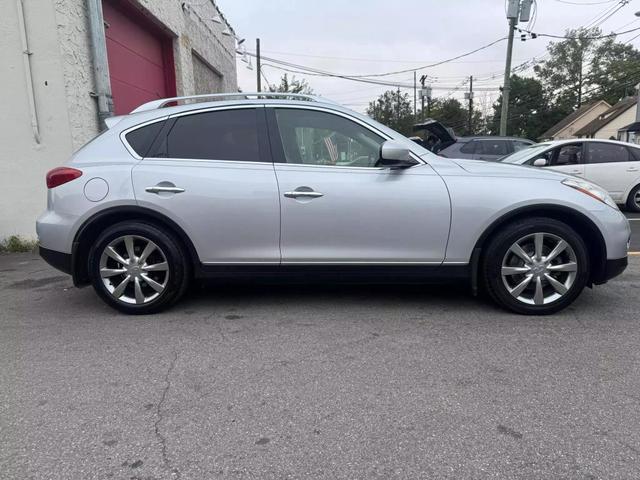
pixel 583 225
pixel 93 226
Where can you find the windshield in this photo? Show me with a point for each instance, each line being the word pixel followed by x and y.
pixel 525 154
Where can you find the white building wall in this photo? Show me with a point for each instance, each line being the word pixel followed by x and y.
pixel 611 128
pixel 59 39
pixel 23 161
pixel 569 131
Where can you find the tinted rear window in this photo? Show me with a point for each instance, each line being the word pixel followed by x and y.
pixel 606 153
pixel 142 138
pixel 493 147
pixel 469 147
pixel 220 135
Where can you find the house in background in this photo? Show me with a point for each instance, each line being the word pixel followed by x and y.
pixel 63 72
pixel 607 124
pixel 569 125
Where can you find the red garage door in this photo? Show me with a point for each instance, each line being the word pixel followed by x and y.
pixel 140 58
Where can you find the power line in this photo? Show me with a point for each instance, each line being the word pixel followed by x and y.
pixel 585 4
pixel 409 70
pixel 596 37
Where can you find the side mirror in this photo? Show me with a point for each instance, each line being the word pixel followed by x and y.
pixel 540 162
pixel 395 155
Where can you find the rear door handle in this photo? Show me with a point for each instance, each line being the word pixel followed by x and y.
pixel 632 169
pixel 161 189
pixel 296 194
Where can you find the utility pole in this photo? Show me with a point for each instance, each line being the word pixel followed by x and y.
pixel 471 105
pixel 580 79
pixel 398 109
pixel 517 10
pixel 415 99
pixel 507 76
pixel 638 104
pixel 423 79
pixel 258 72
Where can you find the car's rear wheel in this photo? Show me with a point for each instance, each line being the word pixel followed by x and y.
pixel 535 266
pixel 138 269
pixel 633 202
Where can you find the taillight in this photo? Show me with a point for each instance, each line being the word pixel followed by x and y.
pixel 61 175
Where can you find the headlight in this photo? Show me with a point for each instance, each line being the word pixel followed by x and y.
pixel 590 189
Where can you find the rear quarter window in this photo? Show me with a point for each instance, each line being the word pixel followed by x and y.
pixel 141 139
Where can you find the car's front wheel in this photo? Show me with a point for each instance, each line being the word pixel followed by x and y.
pixel 137 268
pixel 535 266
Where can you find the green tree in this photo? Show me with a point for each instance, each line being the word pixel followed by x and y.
pixel 453 114
pixel 292 85
pixel 393 110
pixel 614 70
pixel 563 74
pixel 529 112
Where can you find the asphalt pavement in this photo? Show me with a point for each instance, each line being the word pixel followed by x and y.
pixel 316 382
pixel 634 221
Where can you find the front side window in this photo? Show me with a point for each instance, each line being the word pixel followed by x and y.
pixel 317 138
pixel 606 153
pixel 218 135
pixel 567 155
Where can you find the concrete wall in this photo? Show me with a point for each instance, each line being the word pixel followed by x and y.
pixel 206 79
pixel 570 130
pixel 23 161
pixel 611 129
pixel 58 31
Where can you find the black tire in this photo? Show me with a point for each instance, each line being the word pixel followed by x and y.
pixel 168 250
pixel 499 246
pixel 633 201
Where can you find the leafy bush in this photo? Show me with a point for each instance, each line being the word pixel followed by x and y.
pixel 16 243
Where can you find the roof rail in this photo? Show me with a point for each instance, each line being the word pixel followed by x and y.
pixel 155 104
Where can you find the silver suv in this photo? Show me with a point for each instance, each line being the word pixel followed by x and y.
pixel 298 188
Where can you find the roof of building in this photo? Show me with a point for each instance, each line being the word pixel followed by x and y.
pixel 632 127
pixel 569 119
pixel 606 117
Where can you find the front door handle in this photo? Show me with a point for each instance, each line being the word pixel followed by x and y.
pixel 632 169
pixel 296 194
pixel 162 189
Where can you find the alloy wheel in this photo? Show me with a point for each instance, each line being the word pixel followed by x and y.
pixel 636 199
pixel 134 270
pixel 539 268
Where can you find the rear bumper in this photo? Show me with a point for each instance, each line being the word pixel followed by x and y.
pixel 58 260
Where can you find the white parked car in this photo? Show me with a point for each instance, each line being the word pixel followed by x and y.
pixel 615 166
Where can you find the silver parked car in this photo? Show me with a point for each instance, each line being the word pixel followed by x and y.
pixel 490 147
pixel 297 188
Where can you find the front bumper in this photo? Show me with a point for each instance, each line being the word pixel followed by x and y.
pixel 58 260
pixel 613 268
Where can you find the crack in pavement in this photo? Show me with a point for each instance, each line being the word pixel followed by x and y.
pixel 161 438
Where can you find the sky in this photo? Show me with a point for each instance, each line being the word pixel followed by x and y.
pixel 363 37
